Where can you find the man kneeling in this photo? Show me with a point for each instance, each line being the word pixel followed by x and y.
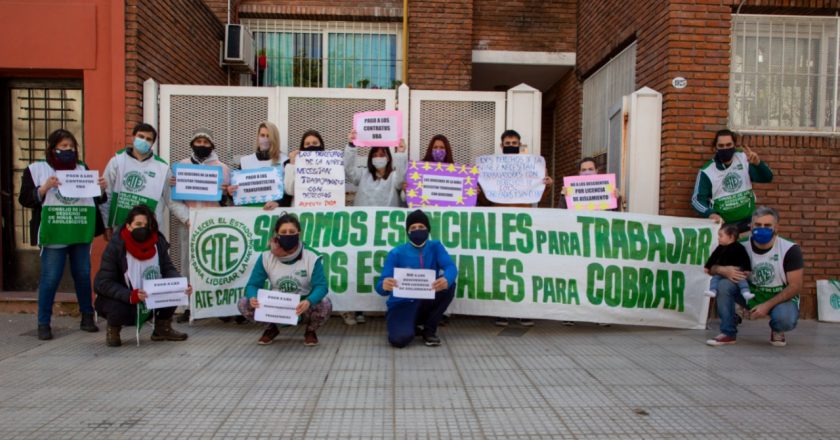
pixel 407 317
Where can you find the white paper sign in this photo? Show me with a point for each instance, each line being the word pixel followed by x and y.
pixel 378 129
pixel 414 283
pixel 166 292
pixel 319 179
pixel 197 182
pixel 79 184
pixel 512 178
pixel 277 307
pixel 259 185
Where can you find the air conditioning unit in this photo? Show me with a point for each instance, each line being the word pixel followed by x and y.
pixel 238 49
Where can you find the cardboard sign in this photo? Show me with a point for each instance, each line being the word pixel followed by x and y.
pixel 441 184
pixel 276 307
pixel 512 178
pixel 79 184
pixel 319 179
pixel 378 129
pixel 197 182
pixel 590 193
pixel 166 292
pixel 257 185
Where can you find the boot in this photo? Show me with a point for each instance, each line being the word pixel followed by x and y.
pixel 88 324
pixel 164 331
pixel 112 336
pixel 44 332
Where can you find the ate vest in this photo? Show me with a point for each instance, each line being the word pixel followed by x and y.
pixel 768 273
pixel 732 195
pixel 291 278
pixel 139 183
pixel 64 220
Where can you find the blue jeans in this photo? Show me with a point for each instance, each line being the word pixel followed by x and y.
pixel 743 285
pixel 783 317
pixel 403 317
pixel 52 267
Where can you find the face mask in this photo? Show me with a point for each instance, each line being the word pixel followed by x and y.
pixel 202 152
pixel 142 146
pixel 380 162
pixel 418 237
pixel 265 143
pixel 313 148
pixel 65 156
pixel 762 235
pixel 438 155
pixel 287 242
pixel 589 173
pixel 141 234
pixel 725 155
pixel 510 150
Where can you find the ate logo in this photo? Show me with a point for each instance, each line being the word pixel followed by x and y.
pixel 732 182
pixel 134 181
pixel 65 200
pixel 220 249
pixel 763 274
pixel 152 273
pixel 835 301
pixel 287 284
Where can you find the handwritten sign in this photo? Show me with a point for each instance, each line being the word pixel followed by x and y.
pixel 197 182
pixel 319 179
pixel 79 184
pixel 590 193
pixel 257 185
pixel 512 178
pixel 378 129
pixel 166 292
pixel 414 283
pixel 277 307
pixel 441 184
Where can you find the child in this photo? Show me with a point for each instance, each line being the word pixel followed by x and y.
pixel 729 253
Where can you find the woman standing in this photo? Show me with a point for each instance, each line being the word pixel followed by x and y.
pixel 267 155
pixel 136 252
pixel 62 227
pixel 290 267
pixel 310 141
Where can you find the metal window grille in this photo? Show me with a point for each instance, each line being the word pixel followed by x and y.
pixel 303 53
pixel 603 91
pixel 783 73
pixel 470 127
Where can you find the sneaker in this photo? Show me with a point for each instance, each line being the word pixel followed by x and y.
pixel 431 340
pixel 526 322
pixel 710 293
pixel 348 318
pixel 502 322
pixel 747 295
pixel 310 339
pixel 567 323
pixel 720 339
pixel 360 318
pixel 777 339
pixel 268 335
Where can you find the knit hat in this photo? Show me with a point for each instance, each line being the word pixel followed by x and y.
pixel 417 216
pixel 203 133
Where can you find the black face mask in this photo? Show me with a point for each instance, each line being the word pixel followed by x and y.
pixel 65 156
pixel 510 150
pixel 140 235
pixel 418 237
pixel 288 242
pixel 725 155
pixel 202 152
pixel 314 148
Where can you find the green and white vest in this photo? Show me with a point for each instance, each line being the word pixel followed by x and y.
pixel 64 220
pixel 290 278
pixel 768 275
pixel 139 183
pixel 732 194
pixel 140 270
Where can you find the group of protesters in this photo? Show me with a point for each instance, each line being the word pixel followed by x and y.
pixel 136 187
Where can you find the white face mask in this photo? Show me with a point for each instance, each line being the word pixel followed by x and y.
pixel 588 173
pixel 380 162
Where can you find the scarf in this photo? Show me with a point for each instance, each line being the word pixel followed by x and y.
pixel 140 251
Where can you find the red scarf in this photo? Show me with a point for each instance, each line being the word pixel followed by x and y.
pixel 140 251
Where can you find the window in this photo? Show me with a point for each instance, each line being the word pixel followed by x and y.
pixel 783 73
pixel 327 54
pixel 602 93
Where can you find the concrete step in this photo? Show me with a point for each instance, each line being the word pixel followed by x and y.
pixel 27 302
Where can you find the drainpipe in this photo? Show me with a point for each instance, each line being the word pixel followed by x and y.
pixel 405 43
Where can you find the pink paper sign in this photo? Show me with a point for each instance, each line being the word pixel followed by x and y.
pixel 378 129
pixel 590 193
pixel 440 184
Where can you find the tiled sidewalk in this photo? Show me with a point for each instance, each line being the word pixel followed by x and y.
pixel 484 382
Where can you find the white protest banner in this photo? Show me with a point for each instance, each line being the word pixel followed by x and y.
pixel 276 307
pixel 166 292
pixel 378 129
pixel 79 184
pixel 590 193
pixel 197 182
pixel 257 185
pixel 599 266
pixel 414 283
pixel 512 178
pixel 319 179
